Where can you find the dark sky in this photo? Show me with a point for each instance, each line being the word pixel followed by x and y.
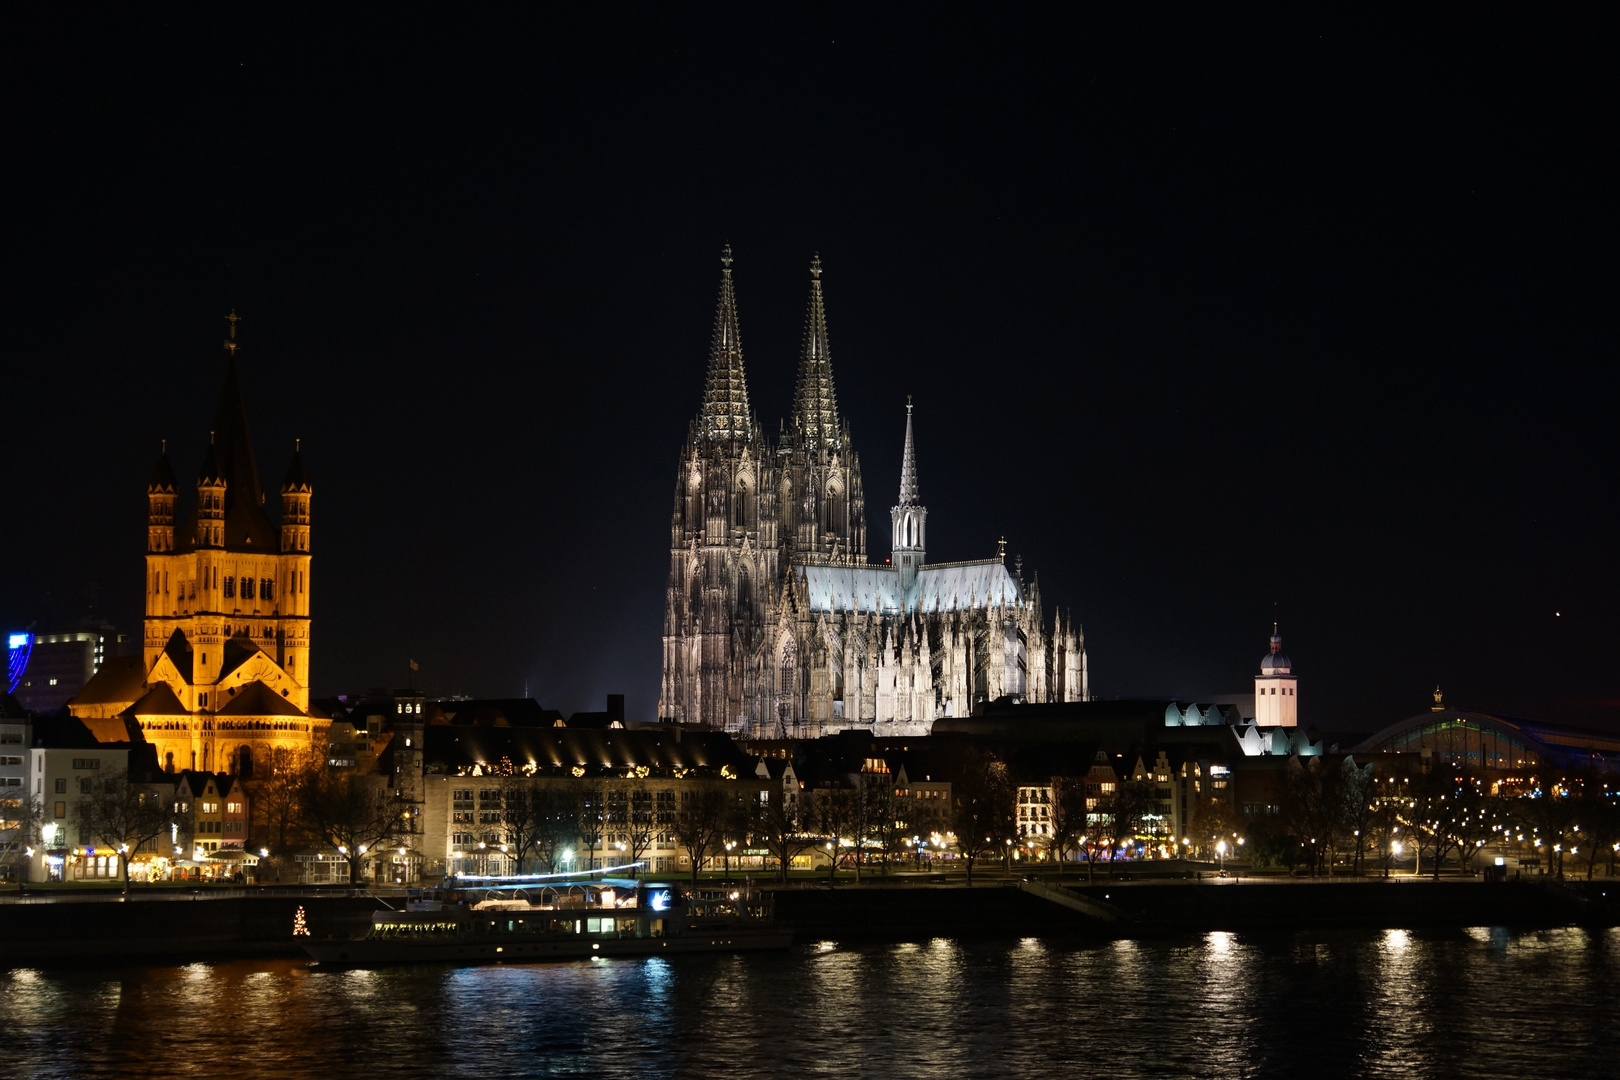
pixel 1205 317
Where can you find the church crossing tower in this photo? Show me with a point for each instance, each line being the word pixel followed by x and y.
pixel 223 682
pixel 909 544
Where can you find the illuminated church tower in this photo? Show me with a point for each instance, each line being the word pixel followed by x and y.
pixel 223 681
pixel 1275 704
pixel 724 549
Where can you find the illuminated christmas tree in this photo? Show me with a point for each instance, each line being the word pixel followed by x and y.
pixel 300 928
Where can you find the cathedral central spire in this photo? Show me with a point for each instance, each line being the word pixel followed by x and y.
pixel 725 413
pixel 908 465
pixel 815 405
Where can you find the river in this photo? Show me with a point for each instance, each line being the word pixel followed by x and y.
pixel 1475 1002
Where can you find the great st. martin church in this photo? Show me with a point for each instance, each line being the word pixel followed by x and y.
pixel 775 623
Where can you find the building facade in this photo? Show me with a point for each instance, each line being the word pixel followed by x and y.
pixel 777 625
pixel 223 677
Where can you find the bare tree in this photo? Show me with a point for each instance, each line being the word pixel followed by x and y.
pixel 1360 792
pixel 351 812
pixel 700 822
pixel 777 824
pixel 276 796
pixel 640 825
pixel 1131 801
pixel 1067 821
pixel 124 815
pixel 982 810
pixel 838 817
pixel 522 807
pixel 891 817
pixel 1598 819
pixel 590 816
pixel 1213 820
pixel 22 820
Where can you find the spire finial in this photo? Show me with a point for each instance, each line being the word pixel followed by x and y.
pixel 210 438
pixel 298 446
pixel 230 343
pixel 165 444
pixel 908 464
pixel 1001 549
pixel 815 266
pixel 725 259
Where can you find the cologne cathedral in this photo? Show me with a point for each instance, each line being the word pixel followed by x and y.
pixel 777 625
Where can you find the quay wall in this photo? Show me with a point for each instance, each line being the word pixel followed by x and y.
pixel 170 929
pixel 181 928
pixel 1154 908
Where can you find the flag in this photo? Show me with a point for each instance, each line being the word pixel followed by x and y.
pixel 414 666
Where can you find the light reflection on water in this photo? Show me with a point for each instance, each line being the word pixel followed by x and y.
pixel 1477 1002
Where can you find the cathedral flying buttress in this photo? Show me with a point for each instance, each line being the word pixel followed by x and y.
pixel 775 623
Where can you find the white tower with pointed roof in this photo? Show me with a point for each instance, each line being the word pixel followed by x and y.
pixel 910 518
pixel 1275 701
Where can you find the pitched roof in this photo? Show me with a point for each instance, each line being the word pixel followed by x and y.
pixel 72 733
pixel 163 475
pixel 121 679
pixel 159 701
pixel 450 748
pixel 257 699
pixel 181 654
pixel 230 457
pixel 297 478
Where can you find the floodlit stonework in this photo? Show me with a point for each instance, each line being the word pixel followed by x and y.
pixel 223 678
pixel 775 622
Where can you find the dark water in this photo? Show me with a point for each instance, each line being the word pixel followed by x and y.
pixel 1475 1002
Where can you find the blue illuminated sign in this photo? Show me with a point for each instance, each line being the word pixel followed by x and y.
pixel 21 647
pixel 657 899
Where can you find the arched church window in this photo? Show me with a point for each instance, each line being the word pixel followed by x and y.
pixel 267 589
pixel 247 588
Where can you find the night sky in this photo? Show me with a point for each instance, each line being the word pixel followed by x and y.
pixel 1208 319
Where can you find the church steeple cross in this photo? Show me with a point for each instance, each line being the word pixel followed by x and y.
pixel 230 343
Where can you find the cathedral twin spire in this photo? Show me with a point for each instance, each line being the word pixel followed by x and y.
pixel 726 414
pixel 815 405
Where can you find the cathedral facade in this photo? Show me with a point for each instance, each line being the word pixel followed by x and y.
pixel 222 682
pixel 776 624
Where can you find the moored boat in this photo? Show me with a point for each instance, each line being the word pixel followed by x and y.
pixel 503 920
